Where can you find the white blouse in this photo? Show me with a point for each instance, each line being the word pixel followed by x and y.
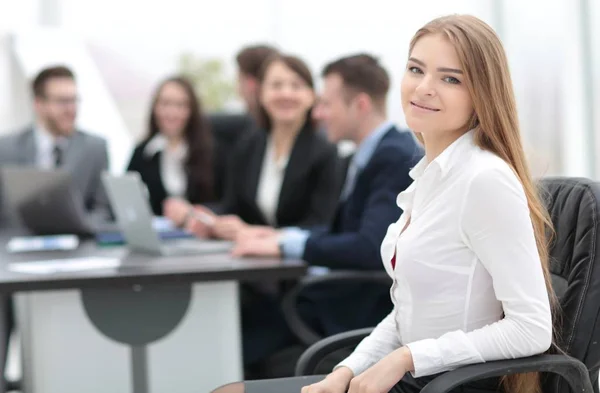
pixel 468 285
pixel 172 164
pixel 269 185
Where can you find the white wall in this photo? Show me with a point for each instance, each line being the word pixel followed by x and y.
pixel 316 30
pixel 17 14
pixel 37 48
pixel 543 43
pixel 324 30
pixel 6 100
pixel 535 43
pixel 541 38
pixel 594 16
pixel 13 90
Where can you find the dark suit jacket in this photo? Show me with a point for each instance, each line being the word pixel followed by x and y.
pixel 149 169
pixel 86 158
pixel 353 241
pixel 309 190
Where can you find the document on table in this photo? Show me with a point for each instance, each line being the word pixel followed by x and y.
pixel 42 243
pixel 64 265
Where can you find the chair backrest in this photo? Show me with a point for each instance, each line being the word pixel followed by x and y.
pixel 574 206
pixel 227 129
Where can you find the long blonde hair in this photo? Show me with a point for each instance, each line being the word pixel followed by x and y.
pixel 496 125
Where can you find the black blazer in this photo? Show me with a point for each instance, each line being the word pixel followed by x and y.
pixel 310 187
pixel 149 170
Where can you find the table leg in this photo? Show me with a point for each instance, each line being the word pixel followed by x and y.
pixel 4 337
pixel 139 368
pixel 120 340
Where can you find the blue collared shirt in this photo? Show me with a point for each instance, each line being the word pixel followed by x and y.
pixel 362 156
pixel 293 240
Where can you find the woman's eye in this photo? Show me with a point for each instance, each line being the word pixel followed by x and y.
pixel 415 70
pixel 452 80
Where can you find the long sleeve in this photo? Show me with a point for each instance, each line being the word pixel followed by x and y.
pixel 496 226
pixel 382 341
pixel 293 241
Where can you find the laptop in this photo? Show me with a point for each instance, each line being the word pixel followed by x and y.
pixel 45 201
pixel 126 195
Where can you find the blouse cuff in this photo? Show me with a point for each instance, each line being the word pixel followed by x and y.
pixel 427 359
pixel 433 356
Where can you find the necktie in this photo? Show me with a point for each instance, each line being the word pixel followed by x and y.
pixel 394 261
pixel 350 180
pixel 58 158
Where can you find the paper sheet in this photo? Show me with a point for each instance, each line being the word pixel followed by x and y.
pixel 42 243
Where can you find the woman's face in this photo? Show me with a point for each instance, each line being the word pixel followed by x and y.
pixel 285 96
pixel 172 109
pixel 435 98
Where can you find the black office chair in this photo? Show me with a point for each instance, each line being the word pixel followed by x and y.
pixel 574 205
pixel 227 129
pixel 306 335
pixel 283 363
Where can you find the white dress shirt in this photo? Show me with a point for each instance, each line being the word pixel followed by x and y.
pixel 172 164
pixel 468 285
pixel 44 145
pixel 269 185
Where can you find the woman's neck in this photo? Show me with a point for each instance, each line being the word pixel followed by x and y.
pixel 283 137
pixel 436 143
pixel 173 142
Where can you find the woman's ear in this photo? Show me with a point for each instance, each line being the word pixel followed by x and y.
pixel 253 84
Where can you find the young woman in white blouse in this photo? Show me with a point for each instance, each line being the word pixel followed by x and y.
pixel 175 160
pixel 468 256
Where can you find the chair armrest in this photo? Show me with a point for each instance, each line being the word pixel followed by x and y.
pixel 571 369
pixel 310 359
pixel 280 385
pixel 289 303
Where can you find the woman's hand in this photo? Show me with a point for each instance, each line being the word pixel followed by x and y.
pixel 267 246
pixel 385 374
pixel 336 382
pixel 254 232
pixel 228 227
pixel 199 221
pixel 176 210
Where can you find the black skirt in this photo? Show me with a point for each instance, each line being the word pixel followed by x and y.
pixel 408 384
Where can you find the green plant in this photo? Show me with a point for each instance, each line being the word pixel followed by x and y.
pixel 214 87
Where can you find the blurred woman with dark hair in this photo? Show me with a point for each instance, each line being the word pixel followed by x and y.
pixel 282 175
pixel 175 158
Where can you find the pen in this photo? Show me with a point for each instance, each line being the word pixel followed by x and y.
pixel 204 218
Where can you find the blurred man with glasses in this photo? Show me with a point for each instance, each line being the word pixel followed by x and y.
pixel 53 141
